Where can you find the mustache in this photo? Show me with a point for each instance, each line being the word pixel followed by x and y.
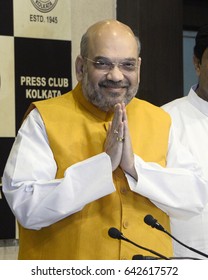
pixel 112 84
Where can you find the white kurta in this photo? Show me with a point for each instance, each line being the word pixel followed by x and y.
pixel 39 200
pixel 190 117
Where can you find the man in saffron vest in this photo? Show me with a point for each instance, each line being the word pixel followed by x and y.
pixel 95 158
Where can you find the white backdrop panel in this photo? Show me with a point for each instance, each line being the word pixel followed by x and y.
pixel 7 94
pixel 30 22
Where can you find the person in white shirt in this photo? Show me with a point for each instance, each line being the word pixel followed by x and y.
pixel 190 118
pixel 89 159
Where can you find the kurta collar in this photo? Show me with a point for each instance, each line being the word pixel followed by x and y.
pixel 197 101
pixel 78 95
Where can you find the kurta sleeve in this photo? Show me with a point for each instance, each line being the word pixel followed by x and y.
pixel 180 189
pixel 34 195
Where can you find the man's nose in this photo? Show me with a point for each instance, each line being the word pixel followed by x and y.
pixel 115 74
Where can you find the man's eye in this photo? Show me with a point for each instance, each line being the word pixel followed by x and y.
pixel 102 63
pixel 128 64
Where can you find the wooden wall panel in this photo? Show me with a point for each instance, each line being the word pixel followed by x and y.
pixel 159 26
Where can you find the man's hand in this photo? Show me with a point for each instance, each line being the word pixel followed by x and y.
pixel 127 159
pixel 114 139
pixel 118 142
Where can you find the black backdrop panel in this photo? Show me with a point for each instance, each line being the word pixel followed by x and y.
pixel 41 71
pixel 7 226
pixel 7 220
pixel 6 17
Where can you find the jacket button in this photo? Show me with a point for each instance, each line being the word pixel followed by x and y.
pixel 123 190
pixel 125 224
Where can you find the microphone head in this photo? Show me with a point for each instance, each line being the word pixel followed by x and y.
pixel 114 233
pixel 150 221
pixel 141 257
pixel 138 257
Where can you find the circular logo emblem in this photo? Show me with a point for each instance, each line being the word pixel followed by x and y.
pixel 44 6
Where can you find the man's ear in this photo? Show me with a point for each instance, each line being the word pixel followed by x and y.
pixel 197 65
pixel 139 67
pixel 79 64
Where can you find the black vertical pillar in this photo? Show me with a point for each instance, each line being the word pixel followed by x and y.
pixel 159 26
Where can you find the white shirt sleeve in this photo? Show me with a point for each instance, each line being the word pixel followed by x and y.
pixel 36 198
pixel 180 189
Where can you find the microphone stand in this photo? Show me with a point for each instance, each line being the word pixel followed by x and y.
pixel 115 233
pixel 150 221
pixel 190 248
pixel 146 249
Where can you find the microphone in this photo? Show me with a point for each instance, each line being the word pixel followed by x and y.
pixel 141 257
pixel 115 233
pixel 150 221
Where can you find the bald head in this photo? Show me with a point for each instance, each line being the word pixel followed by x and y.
pixel 107 31
pixel 111 26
